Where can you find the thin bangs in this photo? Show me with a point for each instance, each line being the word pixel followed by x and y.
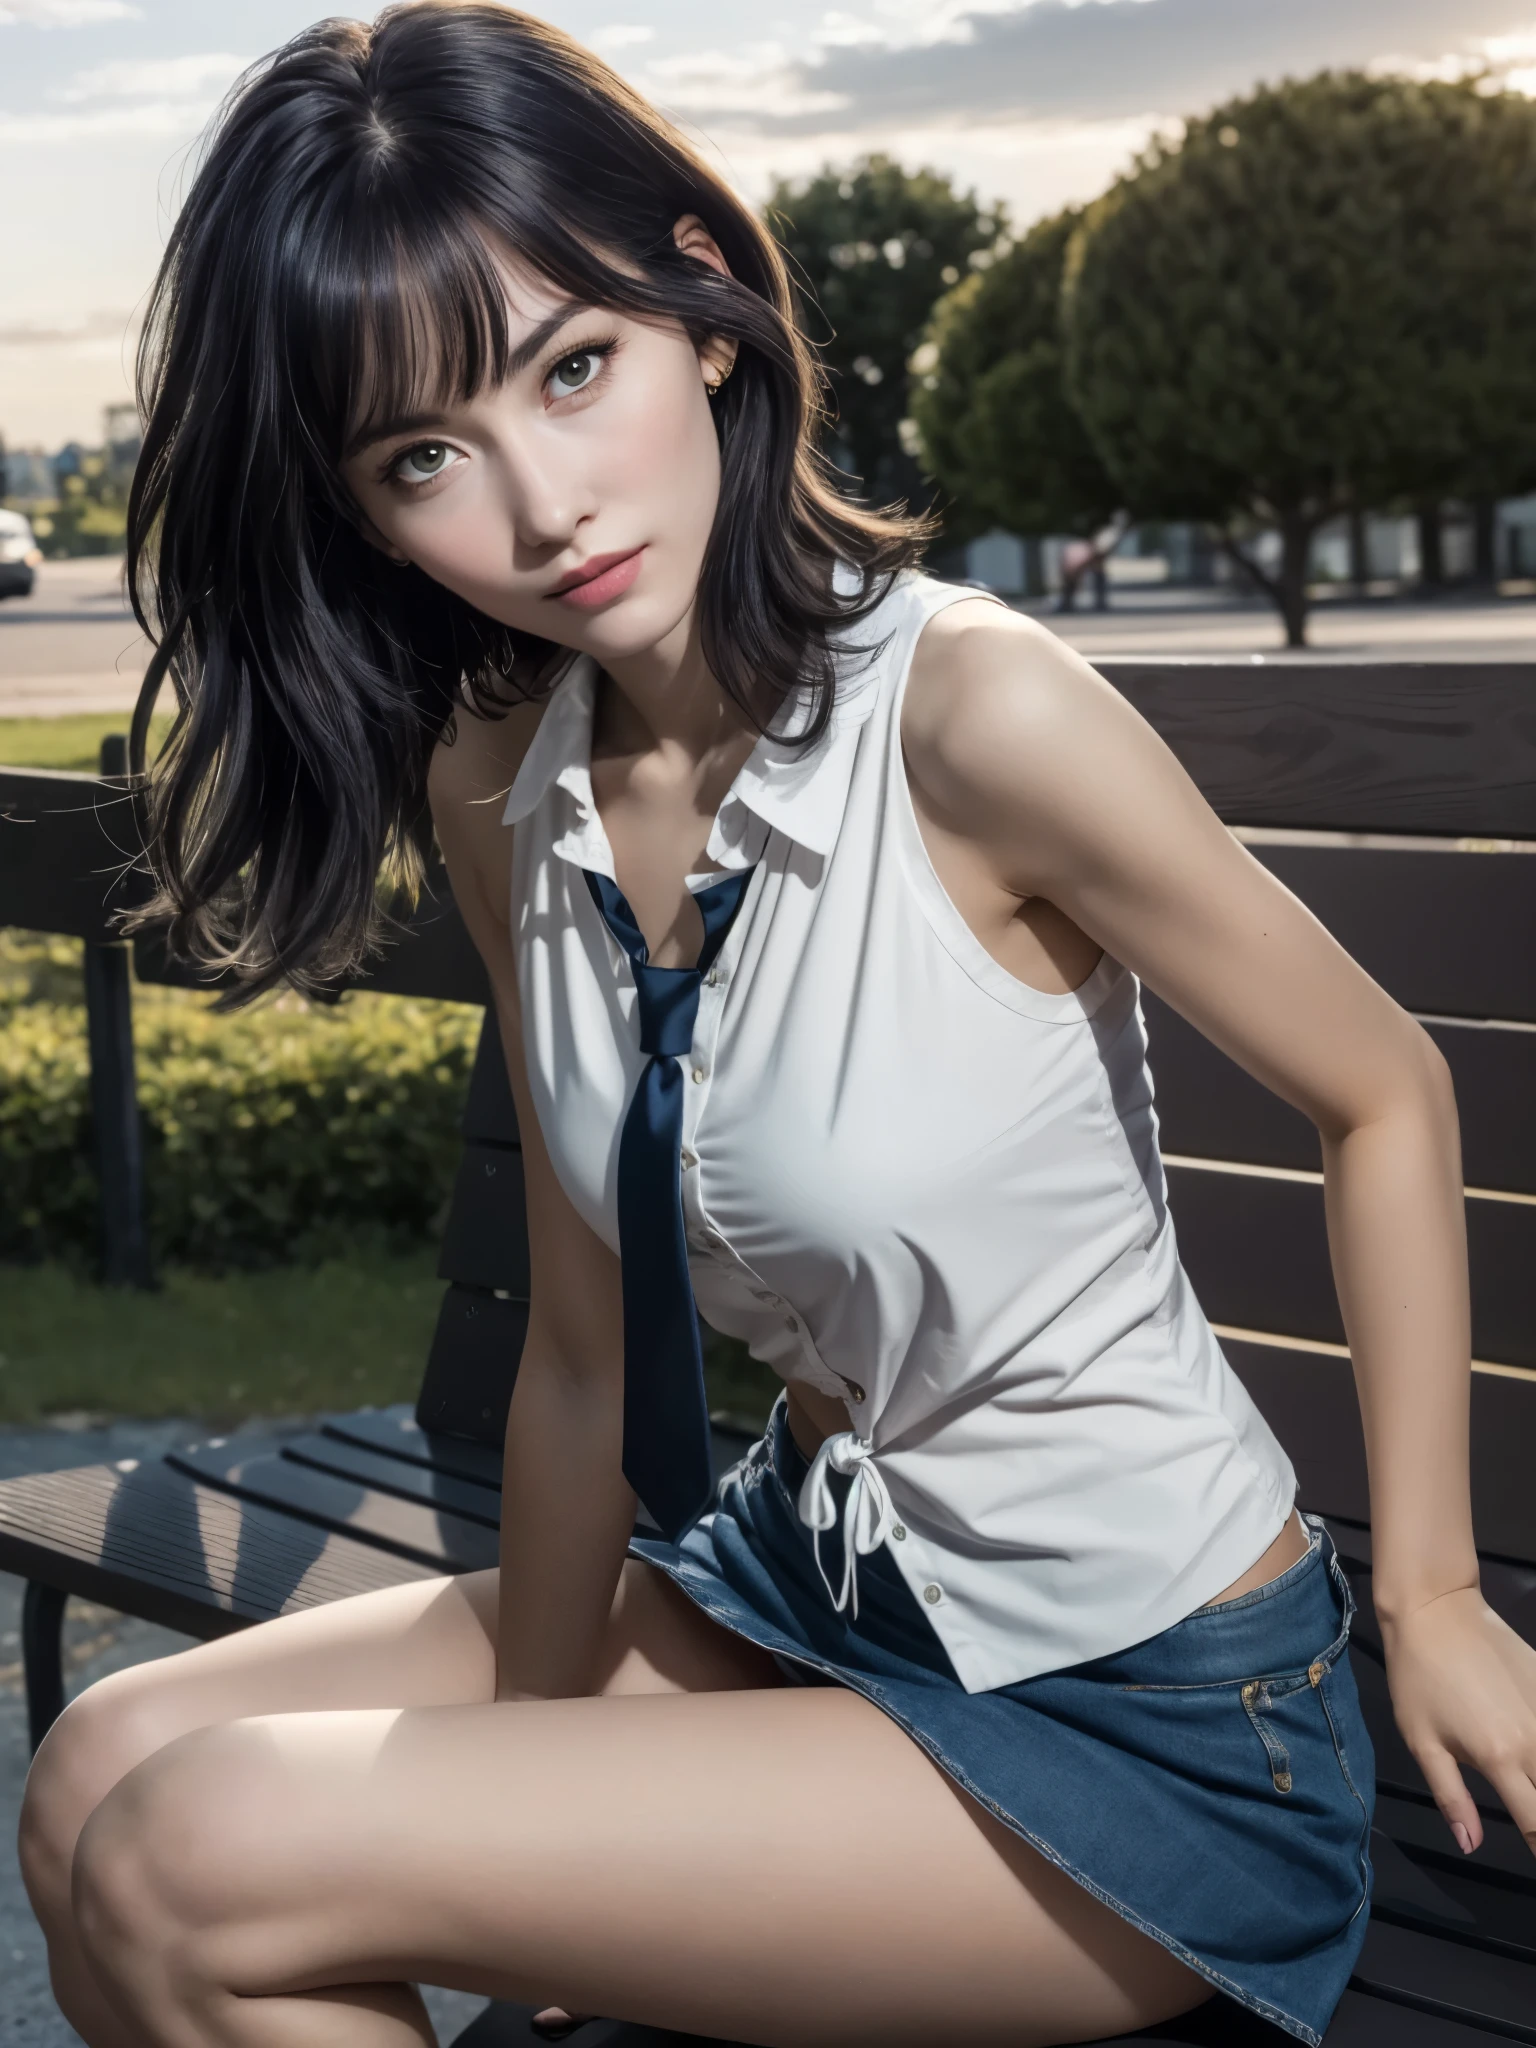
pixel 425 329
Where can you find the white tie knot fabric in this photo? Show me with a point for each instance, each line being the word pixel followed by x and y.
pixel 868 1514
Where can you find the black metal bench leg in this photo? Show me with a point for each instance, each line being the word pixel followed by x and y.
pixel 42 1652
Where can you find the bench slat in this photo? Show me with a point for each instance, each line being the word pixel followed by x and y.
pixel 1308 1399
pixel 432 1536
pixel 1256 1248
pixel 1207 1105
pixel 65 842
pixel 1439 931
pixel 467 1387
pixel 395 1433
pixel 485 1243
pixel 490 1114
pixel 1442 1976
pixel 1380 746
pixel 150 1542
pixel 378 1471
pixel 1459 1905
pixel 1417 1827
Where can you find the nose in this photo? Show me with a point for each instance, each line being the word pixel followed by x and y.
pixel 545 500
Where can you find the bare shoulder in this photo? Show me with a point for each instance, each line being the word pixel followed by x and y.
pixel 468 778
pixel 479 756
pixel 993 700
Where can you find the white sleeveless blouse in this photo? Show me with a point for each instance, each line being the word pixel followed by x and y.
pixel 914 1183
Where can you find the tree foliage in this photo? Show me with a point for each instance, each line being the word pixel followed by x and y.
pixel 997 428
pixel 870 248
pixel 1321 297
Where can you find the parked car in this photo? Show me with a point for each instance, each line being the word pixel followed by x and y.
pixel 19 555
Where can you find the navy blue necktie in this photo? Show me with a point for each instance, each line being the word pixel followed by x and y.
pixel 666 1417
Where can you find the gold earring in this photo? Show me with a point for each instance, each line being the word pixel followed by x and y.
pixel 712 385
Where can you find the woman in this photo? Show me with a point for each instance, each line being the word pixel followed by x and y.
pixel 1000 1695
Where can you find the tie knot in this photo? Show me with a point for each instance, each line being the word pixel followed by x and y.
pixel 668 997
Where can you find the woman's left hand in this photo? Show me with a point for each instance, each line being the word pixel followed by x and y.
pixel 1464 1692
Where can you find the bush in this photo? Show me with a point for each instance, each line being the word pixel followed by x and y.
pixel 287 1132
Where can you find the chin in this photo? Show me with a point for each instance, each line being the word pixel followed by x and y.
pixel 632 626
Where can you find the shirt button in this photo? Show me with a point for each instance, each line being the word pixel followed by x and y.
pixel 898 1532
pixel 714 977
pixel 689 1158
pixel 932 1595
pixel 855 1391
pixel 699 1073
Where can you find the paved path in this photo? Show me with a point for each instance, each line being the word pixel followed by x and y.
pixel 74 646
pixel 1453 628
pixel 97 1640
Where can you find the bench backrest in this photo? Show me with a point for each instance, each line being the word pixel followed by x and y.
pixel 1433 756
pixel 1434 766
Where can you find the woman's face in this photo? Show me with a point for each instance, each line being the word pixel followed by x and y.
pixel 598 453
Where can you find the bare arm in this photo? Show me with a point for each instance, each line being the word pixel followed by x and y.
pixel 1017 746
pixel 567 1509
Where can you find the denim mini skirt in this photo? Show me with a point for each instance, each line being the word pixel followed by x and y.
pixel 1214 1785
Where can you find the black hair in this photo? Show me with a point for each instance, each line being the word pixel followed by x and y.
pixel 334 258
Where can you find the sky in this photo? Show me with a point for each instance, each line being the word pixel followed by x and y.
pixel 1035 102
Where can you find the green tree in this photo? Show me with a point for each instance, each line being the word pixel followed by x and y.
pixel 1319 299
pixel 870 249
pixel 89 516
pixel 996 426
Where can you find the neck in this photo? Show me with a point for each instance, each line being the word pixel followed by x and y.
pixel 666 701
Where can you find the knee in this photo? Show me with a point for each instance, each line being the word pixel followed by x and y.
pixel 99 1736
pixel 141 1884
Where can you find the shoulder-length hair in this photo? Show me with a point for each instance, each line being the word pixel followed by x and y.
pixel 332 266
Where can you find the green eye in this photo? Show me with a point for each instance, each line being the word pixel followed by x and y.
pixel 574 373
pixel 426 460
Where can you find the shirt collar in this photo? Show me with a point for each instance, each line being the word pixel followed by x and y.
pixel 799 791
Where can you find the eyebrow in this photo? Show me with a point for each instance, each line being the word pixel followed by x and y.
pixel 532 343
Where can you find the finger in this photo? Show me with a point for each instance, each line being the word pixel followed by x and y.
pixel 1514 1785
pixel 1455 1802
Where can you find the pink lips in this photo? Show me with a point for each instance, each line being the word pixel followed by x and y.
pixel 611 581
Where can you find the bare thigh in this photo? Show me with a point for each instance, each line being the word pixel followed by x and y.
pixel 431 1642
pixel 779 1865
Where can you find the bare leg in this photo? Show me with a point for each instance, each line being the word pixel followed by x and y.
pixel 430 1643
pixel 777 1866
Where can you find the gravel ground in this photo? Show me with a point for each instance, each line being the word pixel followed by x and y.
pixel 97 1640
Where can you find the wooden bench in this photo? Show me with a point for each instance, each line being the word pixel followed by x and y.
pixel 210 1540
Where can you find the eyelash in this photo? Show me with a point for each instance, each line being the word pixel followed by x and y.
pixel 604 348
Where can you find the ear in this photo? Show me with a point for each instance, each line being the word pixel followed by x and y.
pixel 718 355
pixel 694 239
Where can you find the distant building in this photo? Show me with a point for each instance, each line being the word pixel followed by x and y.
pixel 29 478
pixel 123 437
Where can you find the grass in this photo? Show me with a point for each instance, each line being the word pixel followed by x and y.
pixel 292 1340
pixel 73 741
pixel 286 1341
pixel 283 1341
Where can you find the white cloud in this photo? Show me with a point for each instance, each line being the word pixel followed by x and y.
pixel 165 99
pixel 619 35
pixel 165 78
pixel 761 80
pixel 154 120
pixel 93 327
pixel 64 13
